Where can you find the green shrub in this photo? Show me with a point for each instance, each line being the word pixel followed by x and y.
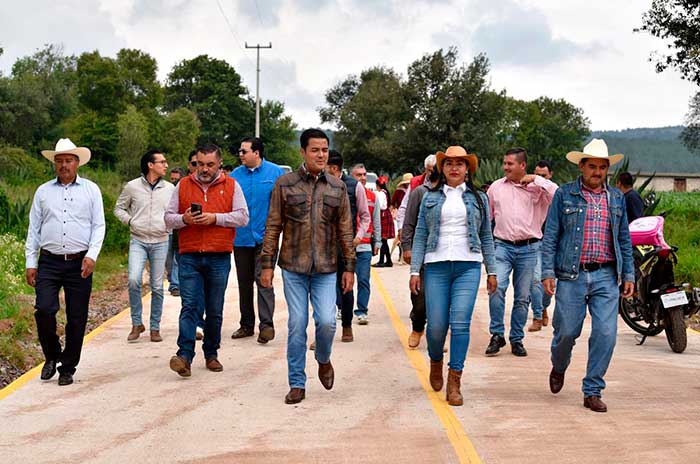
pixel 19 167
pixel 117 235
pixel 12 281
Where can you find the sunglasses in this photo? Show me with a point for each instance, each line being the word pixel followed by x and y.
pixel 243 152
pixel 193 163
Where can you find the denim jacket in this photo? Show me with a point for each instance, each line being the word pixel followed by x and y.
pixel 427 233
pixel 563 235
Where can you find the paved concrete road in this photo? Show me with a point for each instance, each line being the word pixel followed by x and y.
pixel 127 406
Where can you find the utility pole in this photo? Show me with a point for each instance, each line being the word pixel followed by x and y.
pixel 257 87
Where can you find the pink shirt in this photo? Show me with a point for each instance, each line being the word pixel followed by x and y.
pixel 520 211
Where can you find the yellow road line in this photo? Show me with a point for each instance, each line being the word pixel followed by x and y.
pixel 29 375
pixel 455 432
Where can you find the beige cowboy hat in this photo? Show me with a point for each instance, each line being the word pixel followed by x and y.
pixel 66 147
pixel 596 149
pixel 457 152
pixel 405 179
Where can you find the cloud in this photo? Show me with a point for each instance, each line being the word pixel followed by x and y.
pixel 522 36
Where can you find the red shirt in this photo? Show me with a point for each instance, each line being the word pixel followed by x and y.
pixel 597 234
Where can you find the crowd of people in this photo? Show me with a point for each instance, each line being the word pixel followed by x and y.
pixel 322 226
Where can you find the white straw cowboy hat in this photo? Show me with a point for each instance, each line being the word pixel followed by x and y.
pixel 596 149
pixel 457 152
pixel 405 179
pixel 66 147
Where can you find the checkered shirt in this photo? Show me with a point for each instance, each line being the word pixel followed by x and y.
pixel 597 233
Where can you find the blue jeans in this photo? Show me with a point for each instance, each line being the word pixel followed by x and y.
pixel 452 286
pixel 203 280
pixel 599 291
pixel 298 289
pixel 171 265
pixel 520 260
pixel 155 254
pixel 362 269
pixel 537 290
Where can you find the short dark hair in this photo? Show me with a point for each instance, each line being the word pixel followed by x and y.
pixel 335 159
pixel 519 152
pixel 626 179
pixel 311 134
pixel 149 157
pixel 256 144
pixel 193 153
pixel 584 160
pixel 207 148
pixel 228 167
pixel 544 164
pixel 179 170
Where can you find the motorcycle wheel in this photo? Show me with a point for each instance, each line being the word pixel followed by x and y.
pixel 675 330
pixel 632 315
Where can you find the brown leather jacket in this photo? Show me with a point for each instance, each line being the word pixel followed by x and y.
pixel 314 214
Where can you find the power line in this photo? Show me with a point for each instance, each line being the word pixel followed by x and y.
pixel 235 37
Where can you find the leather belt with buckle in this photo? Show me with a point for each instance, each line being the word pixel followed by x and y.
pixel 66 257
pixel 518 243
pixel 595 266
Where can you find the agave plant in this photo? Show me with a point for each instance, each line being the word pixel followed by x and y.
pixel 649 196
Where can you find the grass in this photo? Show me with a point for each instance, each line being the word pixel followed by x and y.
pixel 682 229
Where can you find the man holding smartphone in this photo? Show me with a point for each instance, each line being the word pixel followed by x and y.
pixel 206 207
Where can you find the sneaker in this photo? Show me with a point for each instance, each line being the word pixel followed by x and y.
pixel 362 319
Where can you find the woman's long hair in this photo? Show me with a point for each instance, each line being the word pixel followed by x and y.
pixel 470 183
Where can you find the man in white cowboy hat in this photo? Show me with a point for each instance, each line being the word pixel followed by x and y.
pixel 587 247
pixel 66 230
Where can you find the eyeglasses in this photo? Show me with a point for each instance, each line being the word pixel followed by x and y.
pixel 163 161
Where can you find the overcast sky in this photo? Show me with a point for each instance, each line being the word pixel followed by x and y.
pixel 581 50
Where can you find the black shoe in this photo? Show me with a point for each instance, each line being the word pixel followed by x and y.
pixel 497 342
pixel 49 370
pixel 378 265
pixel 64 378
pixel 388 264
pixel 518 349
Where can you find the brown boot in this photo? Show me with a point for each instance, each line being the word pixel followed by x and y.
pixel 347 335
pixel 536 325
pixel 214 365
pixel 454 396
pixel 136 331
pixel 155 336
pixel 436 380
pixel 545 318
pixel 414 339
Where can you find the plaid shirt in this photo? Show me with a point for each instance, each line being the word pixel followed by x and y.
pixel 597 235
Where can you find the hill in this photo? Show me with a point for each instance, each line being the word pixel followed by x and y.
pixel 652 149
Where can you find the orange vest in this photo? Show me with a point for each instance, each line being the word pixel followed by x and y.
pixel 371 200
pixel 217 199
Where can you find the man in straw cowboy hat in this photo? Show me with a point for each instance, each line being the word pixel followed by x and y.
pixel 66 230
pixel 519 203
pixel 587 247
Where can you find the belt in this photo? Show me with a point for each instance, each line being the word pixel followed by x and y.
pixel 527 241
pixel 595 266
pixel 66 257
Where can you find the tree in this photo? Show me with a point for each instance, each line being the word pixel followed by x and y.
pixel 40 93
pixel 678 21
pixel 96 131
pixel 133 141
pixel 213 90
pixel 548 129
pixel 181 128
pixel 277 131
pixel 138 73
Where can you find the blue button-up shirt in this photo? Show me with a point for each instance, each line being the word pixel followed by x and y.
pixel 257 186
pixel 65 219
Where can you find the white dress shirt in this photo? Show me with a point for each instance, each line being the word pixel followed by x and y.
pixel 453 239
pixel 65 219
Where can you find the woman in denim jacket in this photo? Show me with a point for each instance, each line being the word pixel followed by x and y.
pixel 453 237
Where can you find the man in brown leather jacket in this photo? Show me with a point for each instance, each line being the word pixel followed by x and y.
pixel 312 212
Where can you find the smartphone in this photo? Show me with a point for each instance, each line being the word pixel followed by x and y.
pixel 196 208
